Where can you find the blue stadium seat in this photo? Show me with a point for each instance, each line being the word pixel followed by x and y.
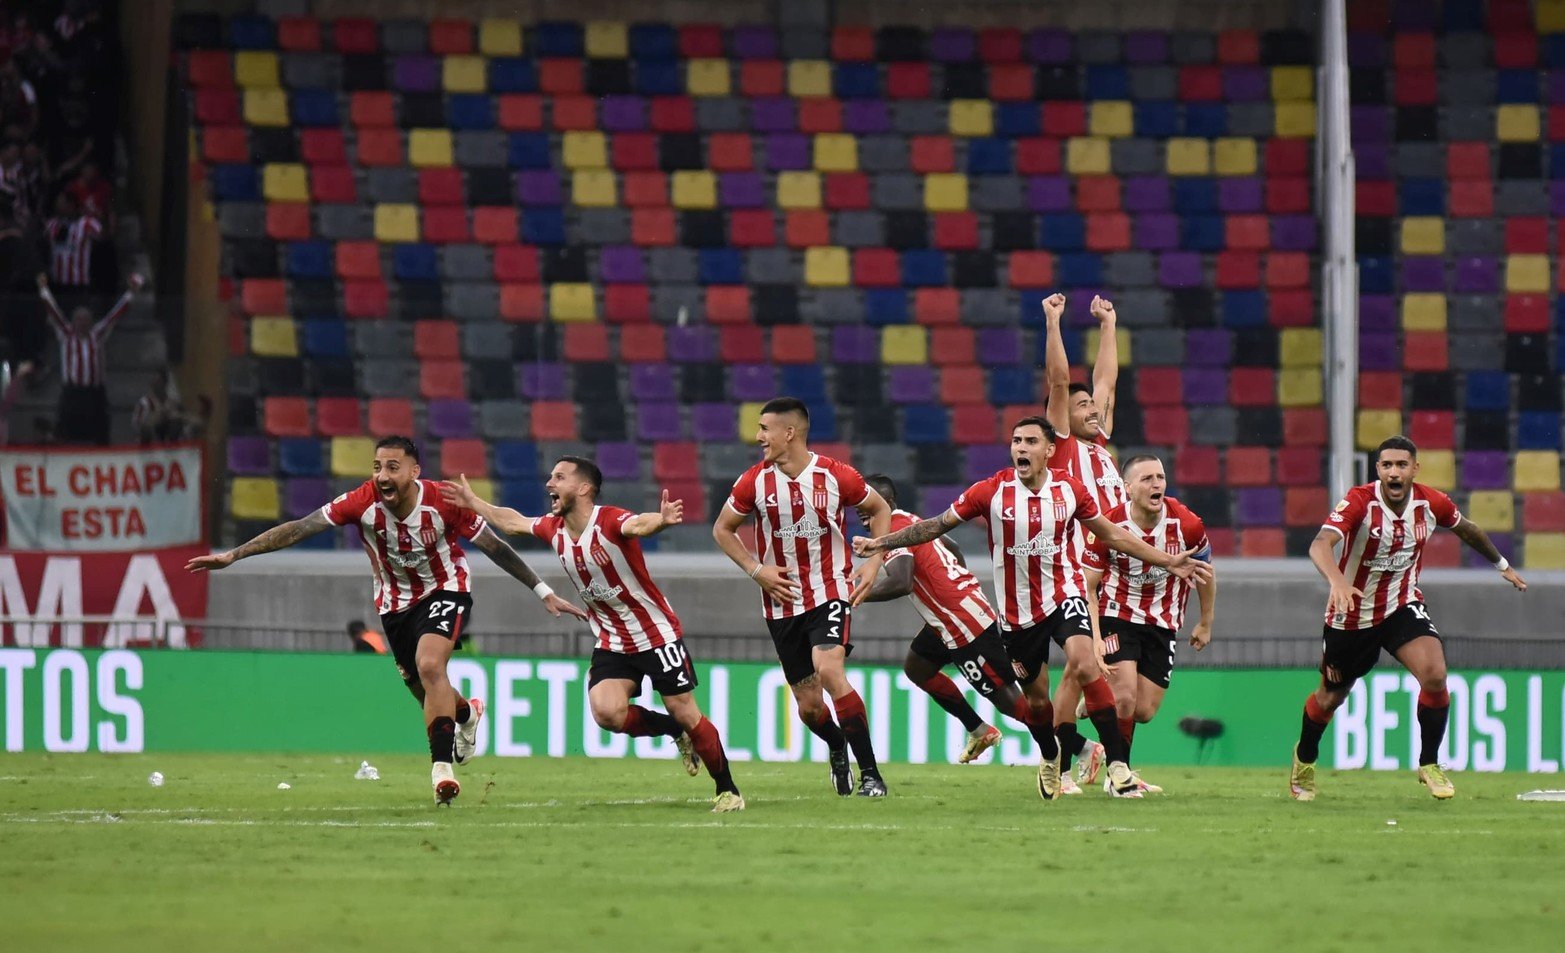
pixel 823 418
pixel 1012 385
pixel 1538 430
pixel 988 157
pixel 309 260
pixel 528 150
pixel 512 74
pixel 470 111
pixel 1017 120
pixel 1108 82
pixel 558 38
pixel 1193 196
pixel 1079 270
pixel 1244 309
pixel 326 337
pixel 1422 196
pixel 926 423
pixel 415 262
pixel 856 81
pixel 1488 390
pixel 721 266
pixel 314 107
pixel 804 381
pixel 524 496
pixel 236 183
pixel 924 267
pixel 1062 232
pixel 886 306
pixel 1206 120
pixel 1376 276
pixel 656 41
pixel 301 457
pixel 1202 233
pixel 544 226
pixel 252 33
pixel 1516 86
pixel 1157 120
pixel 658 78
pixel 514 460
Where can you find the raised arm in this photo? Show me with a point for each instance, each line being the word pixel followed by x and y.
pixel 1056 365
pixel 1105 368
pixel 51 307
pixel 278 537
pixel 894 583
pixel 501 554
pixel 775 581
pixel 509 521
pixel 105 325
pixel 916 535
pixel 1184 565
pixel 669 513
pixel 1476 539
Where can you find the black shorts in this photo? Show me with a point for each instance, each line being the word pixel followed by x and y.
pixel 796 637
pixel 668 666
pixel 1149 646
pixel 1348 655
pixel 1029 646
pixel 983 661
pixel 441 613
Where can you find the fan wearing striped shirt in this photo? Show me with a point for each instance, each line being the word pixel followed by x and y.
pixel 84 400
pixel 638 636
pixel 1375 604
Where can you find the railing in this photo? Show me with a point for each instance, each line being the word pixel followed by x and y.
pixel 93 631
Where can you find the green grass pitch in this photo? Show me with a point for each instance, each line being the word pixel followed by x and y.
pixel 622 855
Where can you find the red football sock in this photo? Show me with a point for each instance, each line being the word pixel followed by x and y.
pixel 710 747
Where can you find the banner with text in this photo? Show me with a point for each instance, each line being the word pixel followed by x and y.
pixel 69 700
pixel 80 499
pixel 71 586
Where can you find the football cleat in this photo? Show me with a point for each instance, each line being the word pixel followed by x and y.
pixel 1090 763
pixel 1301 781
pixel 1433 777
pixel 841 774
pixel 727 802
pixel 870 785
pixel 979 740
pixel 1145 787
pixel 446 786
pixel 1122 783
pixel 687 753
pixel 467 735
pixel 1068 785
pixel 1049 778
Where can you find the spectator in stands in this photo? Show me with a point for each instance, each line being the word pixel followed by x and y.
pixel 159 417
pixel 21 323
pixel 366 639
pixel 72 234
pixel 9 392
pixel 84 400
pixel 18 98
pixel 14 199
pixel 93 194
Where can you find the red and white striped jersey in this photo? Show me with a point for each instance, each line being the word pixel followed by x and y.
pixel 1381 551
pixel 70 249
pixel 1035 562
pixel 625 608
pixel 946 594
pixel 81 355
pixel 411 557
pixel 1090 462
pixel 800 526
pixel 1135 592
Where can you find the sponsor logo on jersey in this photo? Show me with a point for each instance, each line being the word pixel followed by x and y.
pixel 1039 545
pixel 1151 574
pixel 412 559
pixel 601 592
pixel 1110 479
pixel 807 527
pixel 1396 562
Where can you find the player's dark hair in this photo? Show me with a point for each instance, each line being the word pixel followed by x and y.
pixel 1078 387
pixel 1397 442
pixel 587 469
pixel 397 442
pixel 786 405
pixel 1036 421
pixel 882 484
pixel 1138 458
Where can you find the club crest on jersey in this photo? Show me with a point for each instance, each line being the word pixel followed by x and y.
pixel 1110 644
pixel 428 535
pixel 601 592
pixel 600 555
pixel 1039 545
pixel 820 499
pixel 806 527
pixel 1060 513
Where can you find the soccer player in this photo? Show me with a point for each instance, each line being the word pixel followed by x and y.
pixel 423 587
pixel 805 570
pixel 1375 604
pixel 638 635
pixel 1029 510
pixel 1139 609
pixel 1083 419
pixel 960 629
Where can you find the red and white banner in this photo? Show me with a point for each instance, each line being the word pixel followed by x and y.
pixel 81 500
pixel 80 586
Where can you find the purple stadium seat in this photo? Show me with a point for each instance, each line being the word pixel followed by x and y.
pixel 1378 312
pixel 1001 347
pixel 772 114
pixel 1504 542
pixel 619 460
pixel 1245 84
pixel 658 422
pixel 866 117
pixel 1423 273
pixel 855 344
pixel 653 383
pixel 1379 352
pixel 754 42
pixel 1156 231
pixel 623 114
pixel 911 385
pixel 416 74
pixel 1556 86
pixel 1485 470
pixel 712 423
pixel 1179 269
pixel 1369 124
pixel 622 264
pixel 304 495
pixel 1146 193
pixel 1050 47
pixel 1049 193
pixel 1293 232
pixel 1366 50
pixel 741 190
pixel 450 418
pixel 1258 506
pixel 1240 194
pixel 1209 347
pixel 786 150
pixel 1477 275
pixel 1372 160
pixel 692 345
pixel 539 187
pixel 250 455
pixel 1557 198
pixel 752 381
pixel 986 458
pixel 936 499
pixel 952 45
pixel 1204 385
pixel 542 381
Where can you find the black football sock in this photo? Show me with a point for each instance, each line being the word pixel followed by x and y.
pixel 948 696
pixel 442 740
pixel 1040 724
pixel 1433 709
pixel 855 728
pixel 1071 742
pixel 464 711
pixel 1314 725
pixel 826 730
pixel 645 723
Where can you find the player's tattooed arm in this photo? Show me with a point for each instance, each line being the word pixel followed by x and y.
pixel 278 537
pixel 501 554
pixel 916 535
pixel 1476 539
pixel 894 583
pixel 1184 565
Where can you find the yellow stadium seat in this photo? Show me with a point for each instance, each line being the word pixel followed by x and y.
pixel 1437 468
pixel 254 498
pixel 606 39
pixel 826 266
pixel 1293 84
pixel 266 107
pixel 497 37
pixel 1423 311
pixel 945 192
pixel 707 77
pixel 1189 156
pixel 465 74
pixel 1423 235
pixel 1517 122
pixel 972 118
pixel 904 344
pixel 351 456
pixel 749 419
pixel 1525 273
pixel 1494 510
pixel 1544 550
pixel 253 68
pixel 593 188
pixel 798 190
pixel 273 337
pixel 1299 387
pixel 1300 347
pixel 1551 19
pixel 285 182
pixel 1087 155
pixel 584 150
pixel 483 486
pixel 1122 338
pixel 429 148
pixel 1110 118
pixel 694 188
pixel 809 78
pixel 1376 425
pixel 836 152
pixel 1537 470
pixel 1295 120
pixel 396 223
pixel 1234 156
pixel 572 302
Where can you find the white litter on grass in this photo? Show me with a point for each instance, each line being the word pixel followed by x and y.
pixel 1548 794
pixel 366 772
pixel 155 779
pixel 284 786
pixel 1391 823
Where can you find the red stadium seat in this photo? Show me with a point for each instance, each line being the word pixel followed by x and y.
pixel 752 228
pixel 1304 506
pixel 287 417
pixel 1238 47
pixel 1287 157
pixel 1097 193
pixel 675 461
pixel 762 78
pixel 554 420
pixel 728 304
pixel 380 147
pixel 436 340
pixel 1000 44
pixel 494 225
pixel 1170 424
pixel 333 184
pixel 1527 236
pixel 218 107
pixel 223 145
pixel 1039 156
pixel 1417 87
pixel 908 81
pixel 1252 387
pixel 585 342
pixel 1443 551
pixel 652 227
pixel 1011 82
pixel 1526 314
pixel 1544 512
pixel 1468 160
pixel 355 35
pixel 836 450
pixel 210 69
pixel 1433 429
pixel 1248 466
pixel 390 415
pixel 1413 50
pixel 818 114
pixel 1293 308
pixel 372 109
pixel 644 190
pixel 1425 351
pixel 807 228
pixel 952 347
pixel 793 344
pixel 263 296
pixel 440 187
pixel 853 44
pixel 574 113
pixel 1380 389
pixel 323 147
pixel 1238 269
pixel 437 379
pixel 961 384
pixel 673 114
pixel 726 152
pixel 358 259
pixel 627 304
pixel 1225 541
pixel 1299 466
pixel 558 76
pixel 955 231
pixel 1197 466
pixel 933 153
pixel 1287 270
pixel 365 298
pixel 464 455
pixel 1288 195
pixel 1159 386
pixel 1030 269
pixel 845 190
pixel 1247 232
pixel 1378 197
pixel 338 416
pixel 1470 199
pixel 1108 232
pixel 450 37
pixel 933 307
pixel 1262 542
pixel 701 40
pixel 1516 50
pixel 516 263
pixel 1200 84
pixel 520 112
pixel 1065 119
pixel 643 344
pixel 445 225
pixel 741 344
pixel 288 221
pixel 974 424
pixel 876 268
pixel 298 34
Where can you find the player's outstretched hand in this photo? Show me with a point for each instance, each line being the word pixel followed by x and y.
pixel 1186 566
pixel 672 511
pixel 459 492
pixel 1102 309
pixel 213 562
pixel 775 582
pixel 1514 578
pixel 863 581
pixel 1343 598
pixel 556 606
pixel 1200 636
pixel 1054 306
pixel 865 546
